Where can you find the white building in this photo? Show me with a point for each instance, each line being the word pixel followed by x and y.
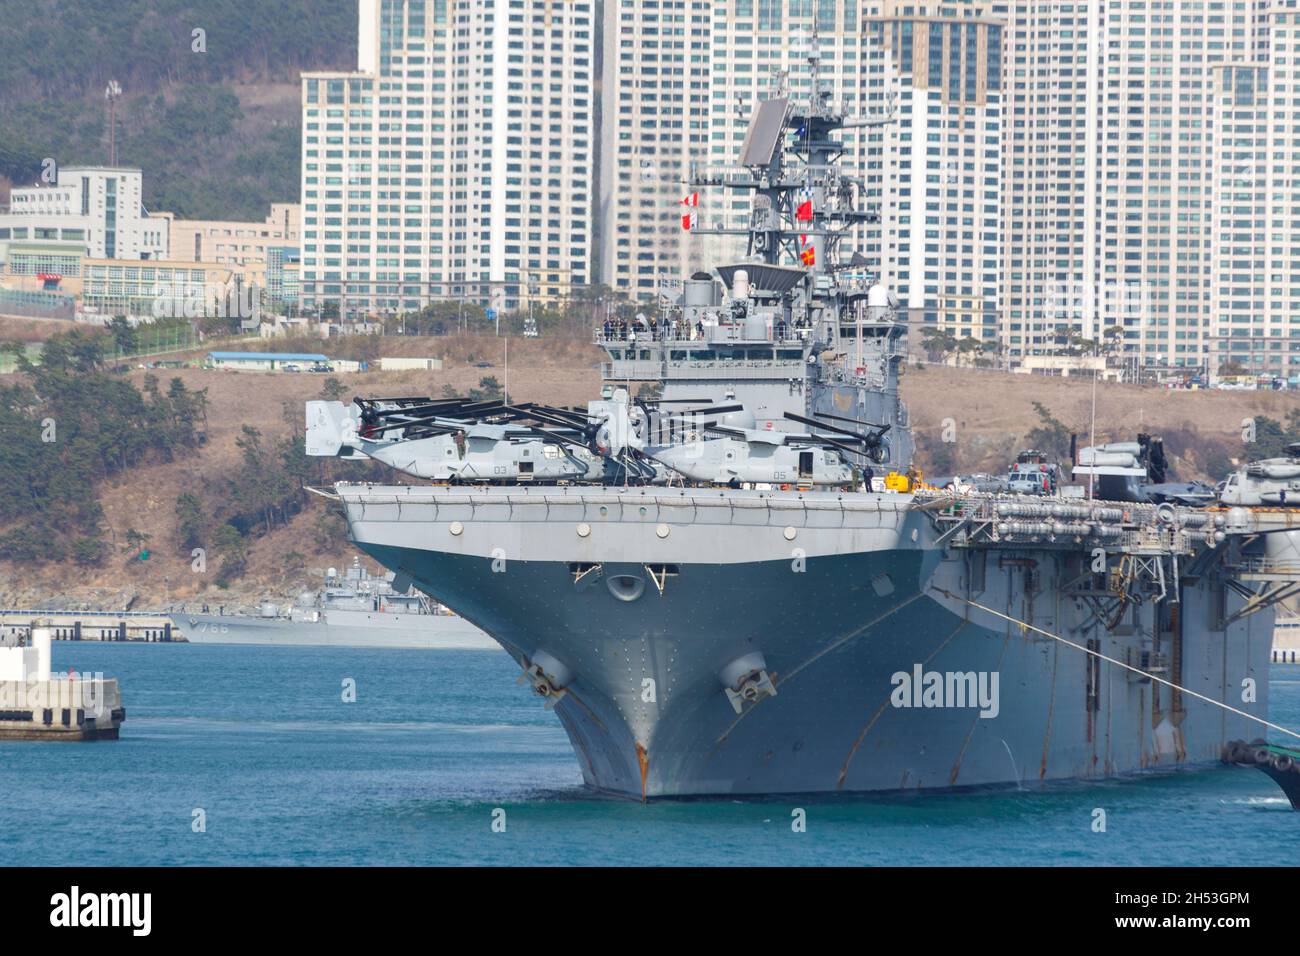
pixel 1056 170
pixel 939 163
pixel 1050 162
pixel 99 207
pixel 1150 180
pixel 654 124
pixel 1155 188
pixel 1254 198
pixel 456 162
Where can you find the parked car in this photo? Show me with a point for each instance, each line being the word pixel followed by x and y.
pixel 290 368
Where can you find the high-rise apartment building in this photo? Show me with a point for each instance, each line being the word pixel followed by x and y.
pixel 457 162
pixel 1056 173
pixel 1153 231
pixel 654 124
pixel 1254 228
pixel 1147 180
pixel 938 164
pixel 1050 155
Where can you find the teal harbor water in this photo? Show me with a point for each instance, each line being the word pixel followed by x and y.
pixel 286 773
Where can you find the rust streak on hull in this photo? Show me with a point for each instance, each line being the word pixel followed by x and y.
pixel 643 759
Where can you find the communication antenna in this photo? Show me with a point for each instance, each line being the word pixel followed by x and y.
pixel 815 64
pixel 780 80
pixel 1092 433
pixel 112 93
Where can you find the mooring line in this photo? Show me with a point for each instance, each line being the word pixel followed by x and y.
pixel 1025 625
pixel 866 729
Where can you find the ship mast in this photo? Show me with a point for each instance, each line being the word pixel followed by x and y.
pixel 802 199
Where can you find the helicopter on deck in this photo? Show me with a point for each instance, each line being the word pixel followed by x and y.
pixel 1268 482
pixel 615 440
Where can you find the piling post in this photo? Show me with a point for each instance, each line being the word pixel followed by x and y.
pixel 41 639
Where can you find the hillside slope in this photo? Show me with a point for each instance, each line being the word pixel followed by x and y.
pixel 992 413
pixel 215 129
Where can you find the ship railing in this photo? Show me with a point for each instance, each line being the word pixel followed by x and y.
pixel 1269 567
pixel 864 378
pixel 724 365
pixel 781 335
pixel 728 373
pixel 632 368
pixel 720 371
pixel 684 335
pixel 705 175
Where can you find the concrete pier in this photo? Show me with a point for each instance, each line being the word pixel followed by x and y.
pixel 92 625
pixel 38 705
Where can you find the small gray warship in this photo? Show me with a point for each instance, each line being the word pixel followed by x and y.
pixel 770 624
pixel 353 609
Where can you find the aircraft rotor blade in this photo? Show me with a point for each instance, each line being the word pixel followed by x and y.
pixel 853 421
pixel 714 410
pixel 830 428
pixel 823 440
pixel 581 417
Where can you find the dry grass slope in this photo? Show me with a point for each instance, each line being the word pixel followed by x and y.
pixel 992 413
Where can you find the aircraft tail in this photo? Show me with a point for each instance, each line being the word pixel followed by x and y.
pixel 331 430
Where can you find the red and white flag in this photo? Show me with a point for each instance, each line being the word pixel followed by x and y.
pixel 692 200
pixel 804 212
pixel 691 221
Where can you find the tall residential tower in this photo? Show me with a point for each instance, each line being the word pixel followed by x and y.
pixel 1254 233
pixel 457 161
pixel 939 64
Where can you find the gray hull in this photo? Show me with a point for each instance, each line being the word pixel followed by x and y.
pixel 426 631
pixel 838 597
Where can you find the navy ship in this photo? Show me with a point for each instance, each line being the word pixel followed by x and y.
pixel 354 609
pixel 759 628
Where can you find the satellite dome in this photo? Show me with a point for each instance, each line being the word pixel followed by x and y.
pixel 877 296
pixel 741 419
